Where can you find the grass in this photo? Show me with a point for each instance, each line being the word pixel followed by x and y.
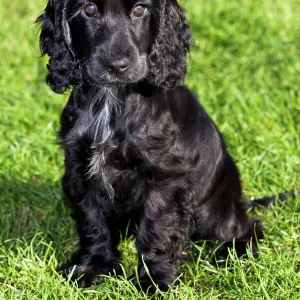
pixel 245 67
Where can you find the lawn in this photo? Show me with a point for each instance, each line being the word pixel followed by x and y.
pixel 245 67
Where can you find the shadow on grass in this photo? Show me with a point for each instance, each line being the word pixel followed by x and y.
pixel 31 207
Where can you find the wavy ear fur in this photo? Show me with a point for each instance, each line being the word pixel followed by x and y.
pixel 55 41
pixel 167 59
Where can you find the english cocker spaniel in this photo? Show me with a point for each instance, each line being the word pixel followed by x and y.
pixel 138 145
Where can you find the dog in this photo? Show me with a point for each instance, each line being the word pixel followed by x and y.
pixel 138 144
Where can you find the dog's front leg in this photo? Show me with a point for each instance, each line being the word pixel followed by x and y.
pixel 163 231
pixel 97 254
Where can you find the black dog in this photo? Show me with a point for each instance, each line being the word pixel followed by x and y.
pixel 138 145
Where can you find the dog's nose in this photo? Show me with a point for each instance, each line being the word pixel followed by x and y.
pixel 119 65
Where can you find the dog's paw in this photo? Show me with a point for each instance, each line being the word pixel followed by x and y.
pixel 150 285
pixel 85 276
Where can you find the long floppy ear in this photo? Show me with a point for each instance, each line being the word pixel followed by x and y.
pixel 167 59
pixel 55 40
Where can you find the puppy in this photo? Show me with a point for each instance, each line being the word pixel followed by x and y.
pixel 138 145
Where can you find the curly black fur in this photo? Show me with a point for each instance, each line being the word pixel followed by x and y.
pixel 138 145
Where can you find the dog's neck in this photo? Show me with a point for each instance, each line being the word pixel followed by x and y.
pixel 107 105
pixel 120 90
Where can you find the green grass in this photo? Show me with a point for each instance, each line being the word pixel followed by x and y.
pixel 244 66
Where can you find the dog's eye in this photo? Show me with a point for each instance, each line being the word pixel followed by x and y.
pixel 138 11
pixel 90 10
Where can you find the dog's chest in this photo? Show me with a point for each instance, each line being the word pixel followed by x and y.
pixel 110 161
pixel 123 160
pixel 119 173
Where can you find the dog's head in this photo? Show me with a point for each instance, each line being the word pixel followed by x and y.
pixel 114 41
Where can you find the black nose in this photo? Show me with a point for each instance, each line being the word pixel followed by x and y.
pixel 119 65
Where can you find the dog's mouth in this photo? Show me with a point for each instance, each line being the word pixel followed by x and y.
pixel 112 80
pixel 124 78
pixel 102 76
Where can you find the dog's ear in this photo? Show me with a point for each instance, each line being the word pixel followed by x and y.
pixel 55 40
pixel 167 61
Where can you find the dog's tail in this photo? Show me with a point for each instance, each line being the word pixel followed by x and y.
pixel 266 201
